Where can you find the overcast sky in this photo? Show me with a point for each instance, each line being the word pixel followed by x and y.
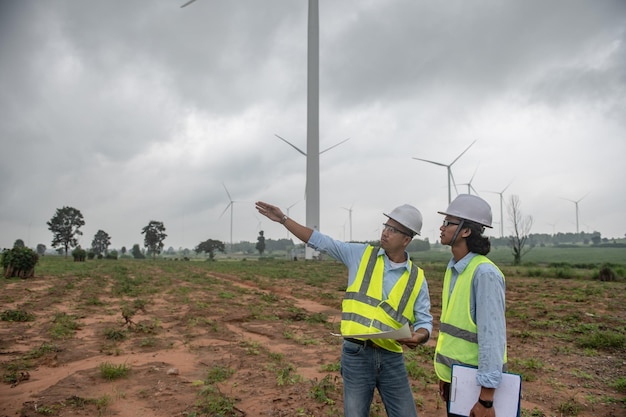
pixel 132 111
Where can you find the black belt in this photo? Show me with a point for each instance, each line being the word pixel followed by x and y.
pixel 366 342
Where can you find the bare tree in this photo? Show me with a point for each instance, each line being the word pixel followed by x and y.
pixel 521 229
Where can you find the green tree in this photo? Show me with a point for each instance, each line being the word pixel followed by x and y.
pixel 154 235
pixel 19 243
pixel 260 243
pixel 123 250
pixel 136 252
pixel 210 246
pixel 19 262
pixel 65 226
pixel 101 242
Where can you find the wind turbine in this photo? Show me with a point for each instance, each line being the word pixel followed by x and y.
pixel 313 121
pixel 576 203
pixel 469 184
pixel 501 208
pixel 553 228
pixel 230 205
pixel 312 186
pixel 349 219
pixel 449 168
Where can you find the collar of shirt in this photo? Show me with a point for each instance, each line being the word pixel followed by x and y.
pixel 459 267
pixel 389 264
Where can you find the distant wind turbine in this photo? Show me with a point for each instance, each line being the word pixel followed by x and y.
pixel 349 219
pixel 576 203
pixel 553 228
pixel 469 184
pixel 230 205
pixel 501 208
pixel 449 168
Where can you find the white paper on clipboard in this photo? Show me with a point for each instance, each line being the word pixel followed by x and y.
pixel 402 333
pixel 464 392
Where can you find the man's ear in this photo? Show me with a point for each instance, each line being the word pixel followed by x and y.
pixel 466 232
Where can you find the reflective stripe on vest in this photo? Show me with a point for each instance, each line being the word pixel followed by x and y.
pixel 364 310
pixel 457 342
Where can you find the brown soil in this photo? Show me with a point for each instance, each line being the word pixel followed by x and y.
pixel 278 357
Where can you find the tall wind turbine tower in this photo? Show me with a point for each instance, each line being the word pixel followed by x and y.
pixel 313 121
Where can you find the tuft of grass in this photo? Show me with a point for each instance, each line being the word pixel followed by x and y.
pixel 213 403
pixel 16 315
pixel 320 390
pixel 42 350
pixel 218 374
pixel 111 371
pixel 331 367
pixel 114 334
pixel 602 339
pixel 63 326
pixel 619 384
pixel 570 408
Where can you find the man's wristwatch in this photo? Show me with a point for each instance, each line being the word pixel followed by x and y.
pixel 284 219
pixel 486 404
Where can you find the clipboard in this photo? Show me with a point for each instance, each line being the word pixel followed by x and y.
pixel 464 392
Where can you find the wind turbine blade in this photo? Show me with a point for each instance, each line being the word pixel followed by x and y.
pixel 187 4
pixel 457 158
pixel 290 144
pixel 229 197
pixel 472 187
pixel 226 209
pixel 473 175
pixel 580 199
pixel 502 192
pixel 334 146
pixel 432 162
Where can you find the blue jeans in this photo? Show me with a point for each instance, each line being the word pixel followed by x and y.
pixel 364 369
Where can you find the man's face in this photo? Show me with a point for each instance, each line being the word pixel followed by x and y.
pixel 448 229
pixel 394 236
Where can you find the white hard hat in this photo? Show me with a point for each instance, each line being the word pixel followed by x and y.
pixel 470 207
pixel 408 216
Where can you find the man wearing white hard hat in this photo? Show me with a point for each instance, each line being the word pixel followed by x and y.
pixel 472 284
pixel 385 291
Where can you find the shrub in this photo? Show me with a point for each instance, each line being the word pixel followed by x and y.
pixel 79 254
pixel 19 262
pixel 606 273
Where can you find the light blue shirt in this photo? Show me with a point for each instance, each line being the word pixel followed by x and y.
pixel 487 307
pixel 350 255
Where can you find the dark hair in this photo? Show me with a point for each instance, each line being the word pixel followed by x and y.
pixel 476 242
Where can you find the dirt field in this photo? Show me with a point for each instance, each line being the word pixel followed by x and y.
pixel 209 339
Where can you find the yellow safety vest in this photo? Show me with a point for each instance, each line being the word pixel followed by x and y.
pixel 363 308
pixel 457 342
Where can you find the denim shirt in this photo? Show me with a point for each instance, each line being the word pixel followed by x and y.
pixel 487 307
pixel 350 255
